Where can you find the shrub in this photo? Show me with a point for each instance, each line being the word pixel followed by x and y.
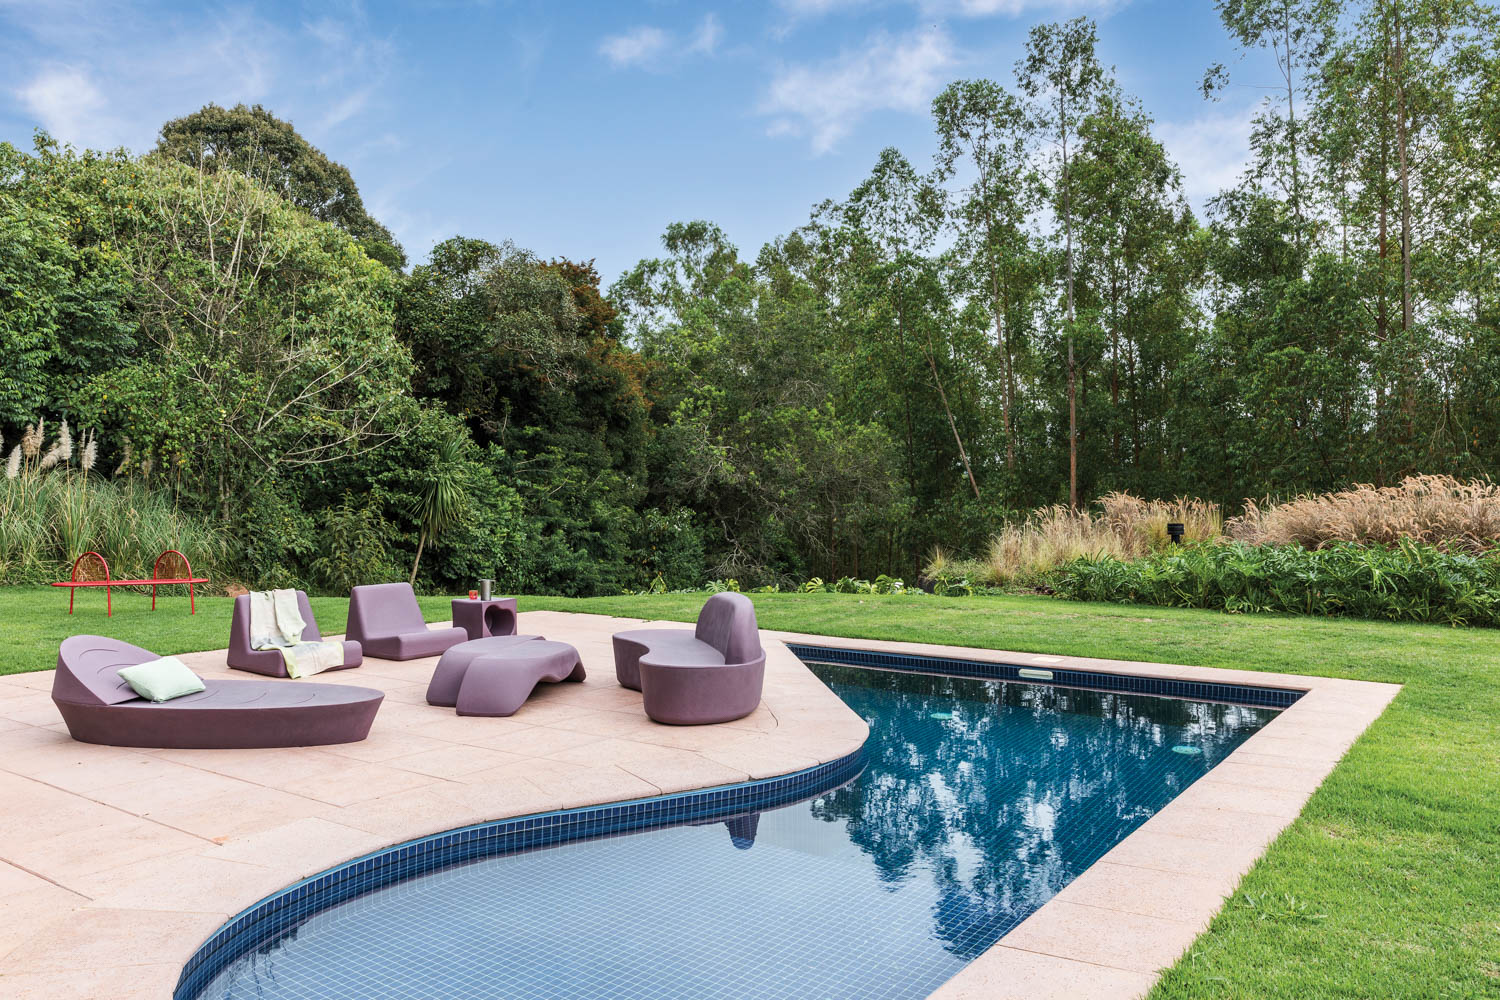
pixel 47 523
pixel 1025 552
pixel 354 546
pixel 1439 510
pixel 1412 581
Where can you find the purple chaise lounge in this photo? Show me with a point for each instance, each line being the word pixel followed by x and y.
pixel 711 674
pixel 270 661
pixel 99 707
pixel 385 620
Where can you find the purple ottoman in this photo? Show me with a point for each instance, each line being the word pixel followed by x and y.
pixel 495 676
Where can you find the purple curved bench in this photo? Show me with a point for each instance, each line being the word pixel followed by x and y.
pixel 494 676
pixel 99 707
pixel 270 661
pixel 712 674
pixel 385 620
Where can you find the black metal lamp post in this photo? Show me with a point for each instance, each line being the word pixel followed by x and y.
pixel 1175 531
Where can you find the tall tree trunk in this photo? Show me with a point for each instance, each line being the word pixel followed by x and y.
pixel 1002 340
pixel 1291 120
pixel 1408 379
pixel 421 541
pixel 1072 363
pixel 952 425
pixel 1114 364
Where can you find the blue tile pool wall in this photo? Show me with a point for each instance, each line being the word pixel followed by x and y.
pixel 1230 694
pixel 264 923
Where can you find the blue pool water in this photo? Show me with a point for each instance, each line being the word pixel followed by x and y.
pixel 979 800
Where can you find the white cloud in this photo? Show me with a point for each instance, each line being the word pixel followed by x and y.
pixel 887 73
pixel 653 48
pixel 952 8
pixel 636 47
pixel 1211 150
pixel 65 102
pixel 100 75
pixel 708 36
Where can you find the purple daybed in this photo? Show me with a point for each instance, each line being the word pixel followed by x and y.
pixel 494 676
pixel 99 707
pixel 386 622
pixel 270 661
pixel 711 674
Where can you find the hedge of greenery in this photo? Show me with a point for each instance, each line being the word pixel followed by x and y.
pixel 1407 582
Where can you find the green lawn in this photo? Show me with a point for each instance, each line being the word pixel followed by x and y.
pixel 1387 886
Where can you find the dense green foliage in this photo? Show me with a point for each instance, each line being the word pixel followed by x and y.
pixel 1038 317
pixel 1411 582
pixel 255 142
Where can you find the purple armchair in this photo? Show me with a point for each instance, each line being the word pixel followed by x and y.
pixel 712 674
pixel 386 622
pixel 270 661
pixel 99 707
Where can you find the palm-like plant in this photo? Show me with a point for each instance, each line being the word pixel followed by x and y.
pixel 440 499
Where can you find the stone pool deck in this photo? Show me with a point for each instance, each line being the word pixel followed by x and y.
pixel 115 864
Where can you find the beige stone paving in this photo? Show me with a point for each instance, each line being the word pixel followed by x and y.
pixel 99 842
pixel 115 863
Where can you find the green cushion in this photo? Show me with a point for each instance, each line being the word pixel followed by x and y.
pixel 162 680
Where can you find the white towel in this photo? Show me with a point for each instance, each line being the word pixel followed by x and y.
pixel 276 623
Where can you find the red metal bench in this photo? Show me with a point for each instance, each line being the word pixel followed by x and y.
pixel 86 574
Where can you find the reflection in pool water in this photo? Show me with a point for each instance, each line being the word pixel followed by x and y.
pixel 979 801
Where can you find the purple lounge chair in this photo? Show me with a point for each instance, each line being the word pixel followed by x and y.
pixel 99 707
pixel 711 674
pixel 270 661
pixel 494 676
pixel 385 620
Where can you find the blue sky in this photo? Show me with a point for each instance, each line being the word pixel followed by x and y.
pixel 583 129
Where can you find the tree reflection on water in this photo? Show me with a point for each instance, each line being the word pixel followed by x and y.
pixel 1002 793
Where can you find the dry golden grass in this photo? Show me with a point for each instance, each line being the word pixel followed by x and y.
pixel 1450 513
pixel 1126 527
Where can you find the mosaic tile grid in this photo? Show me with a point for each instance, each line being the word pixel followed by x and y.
pixel 691 901
pixel 277 914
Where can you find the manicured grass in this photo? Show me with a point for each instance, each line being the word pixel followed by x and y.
pixel 1387 886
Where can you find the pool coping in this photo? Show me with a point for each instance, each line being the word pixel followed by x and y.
pixel 1091 935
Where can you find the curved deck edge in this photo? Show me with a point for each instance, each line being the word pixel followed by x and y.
pixel 282 911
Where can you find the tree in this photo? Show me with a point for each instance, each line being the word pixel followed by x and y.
pixel 440 498
pixel 269 335
pixel 988 128
pixel 1061 73
pixel 1298 33
pixel 890 222
pixel 256 142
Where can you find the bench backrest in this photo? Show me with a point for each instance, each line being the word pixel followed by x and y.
pixel 727 623
pixel 88 670
pixel 239 623
pixel 379 610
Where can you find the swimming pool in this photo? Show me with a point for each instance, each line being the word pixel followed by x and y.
pixel 979 799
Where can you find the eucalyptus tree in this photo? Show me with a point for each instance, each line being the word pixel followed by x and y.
pixel 1062 75
pixel 1138 270
pixel 1298 34
pixel 890 224
pixel 985 132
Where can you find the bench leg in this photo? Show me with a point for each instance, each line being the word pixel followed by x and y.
pixel 72 592
pixel 109 603
pixel 192 601
pixel 153 597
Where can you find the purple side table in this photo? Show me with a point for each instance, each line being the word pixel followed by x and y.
pixel 496 616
